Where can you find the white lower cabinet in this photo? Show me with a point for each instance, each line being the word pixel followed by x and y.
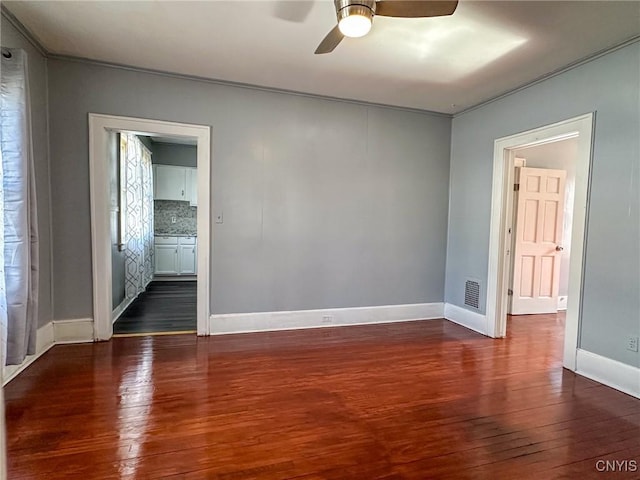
pixel 187 260
pixel 166 259
pixel 175 255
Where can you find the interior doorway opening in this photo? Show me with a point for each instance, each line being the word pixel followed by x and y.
pixel 102 131
pixel 501 249
pixel 153 186
pixel 540 232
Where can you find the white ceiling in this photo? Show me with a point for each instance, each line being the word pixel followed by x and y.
pixel 444 64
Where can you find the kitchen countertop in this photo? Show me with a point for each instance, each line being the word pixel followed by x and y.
pixel 157 234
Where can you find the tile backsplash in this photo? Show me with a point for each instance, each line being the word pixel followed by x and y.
pixel 185 217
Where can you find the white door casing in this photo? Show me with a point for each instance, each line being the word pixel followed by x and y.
pixel 499 240
pixel 538 244
pixel 510 215
pixel 99 127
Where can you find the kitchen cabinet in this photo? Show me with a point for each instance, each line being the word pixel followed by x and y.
pixel 175 183
pixel 175 255
pixel 169 182
pixel 192 186
pixel 187 260
pixel 187 255
pixel 166 259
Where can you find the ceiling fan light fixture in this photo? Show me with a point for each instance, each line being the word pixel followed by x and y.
pixel 355 20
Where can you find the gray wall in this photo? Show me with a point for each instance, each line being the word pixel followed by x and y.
pixel 609 86
pixel 37 65
pixel 173 154
pixel 326 203
pixel 561 155
pixel 147 142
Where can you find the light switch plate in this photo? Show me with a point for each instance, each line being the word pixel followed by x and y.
pixel 219 217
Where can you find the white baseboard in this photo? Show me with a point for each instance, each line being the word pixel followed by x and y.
pixel 119 310
pixel 44 341
pixel 53 333
pixel 78 330
pixel 612 373
pixel 472 320
pixel 222 324
pixel 562 302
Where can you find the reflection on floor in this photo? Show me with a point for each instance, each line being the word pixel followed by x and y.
pixel 164 307
pixel 402 401
pixel 544 320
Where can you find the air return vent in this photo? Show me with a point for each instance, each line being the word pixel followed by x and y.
pixel 472 293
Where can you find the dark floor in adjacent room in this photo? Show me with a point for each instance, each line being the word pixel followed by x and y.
pixel 413 401
pixel 166 306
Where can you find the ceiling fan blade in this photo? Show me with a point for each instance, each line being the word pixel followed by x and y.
pixel 331 41
pixel 415 8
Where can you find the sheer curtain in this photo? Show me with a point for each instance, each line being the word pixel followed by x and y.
pixel 19 237
pixel 136 180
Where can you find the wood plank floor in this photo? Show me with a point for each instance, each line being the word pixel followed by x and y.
pixel 166 306
pixel 416 400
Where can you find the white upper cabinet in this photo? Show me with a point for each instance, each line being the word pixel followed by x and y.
pixel 192 186
pixel 170 183
pixel 175 183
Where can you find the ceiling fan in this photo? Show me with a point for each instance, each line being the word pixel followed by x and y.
pixel 356 16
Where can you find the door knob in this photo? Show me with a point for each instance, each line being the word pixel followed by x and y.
pixel 559 248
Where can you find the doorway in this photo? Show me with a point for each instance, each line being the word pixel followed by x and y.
pixel 500 255
pixel 101 130
pixel 154 234
pixel 541 227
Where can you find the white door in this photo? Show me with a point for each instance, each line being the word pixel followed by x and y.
pixel 166 259
pixel 538 244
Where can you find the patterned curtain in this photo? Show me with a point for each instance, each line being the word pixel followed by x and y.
pixel 136 180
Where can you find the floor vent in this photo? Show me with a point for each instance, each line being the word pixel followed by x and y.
pixel 472 293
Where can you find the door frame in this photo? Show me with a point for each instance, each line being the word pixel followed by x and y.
pixel 502 206
pixel 99 127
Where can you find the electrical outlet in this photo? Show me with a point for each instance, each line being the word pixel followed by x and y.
pixel 632 343
pixel 327 319
pixel 173 219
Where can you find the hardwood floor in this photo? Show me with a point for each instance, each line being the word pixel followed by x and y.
pixel 416 400
pixel 166 306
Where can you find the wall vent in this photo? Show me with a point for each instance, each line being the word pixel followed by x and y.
pixel 472 293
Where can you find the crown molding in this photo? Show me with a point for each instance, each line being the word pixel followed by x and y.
pixel 554 73
pixel 26 33
pixel 32 38
pixel 249 86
